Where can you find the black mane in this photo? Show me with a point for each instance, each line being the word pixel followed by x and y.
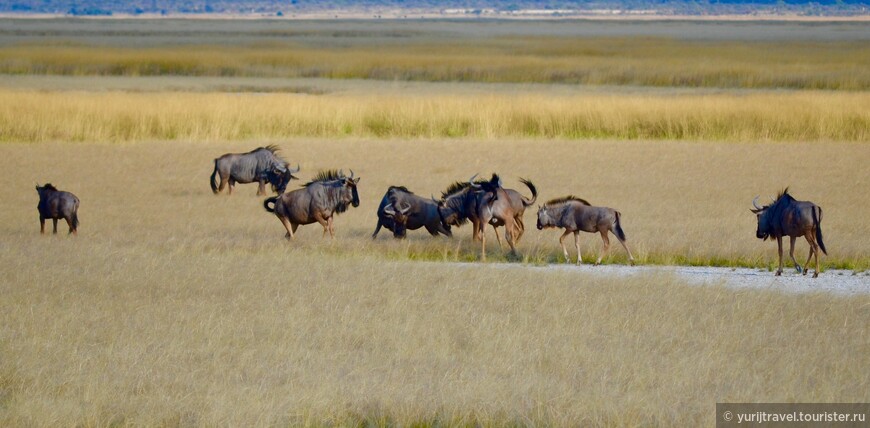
pixel 783 196
pixel 323 176
pixel 271 147
pixel 49 186
pixel 402 188
pixel 567 199
pixel 459 186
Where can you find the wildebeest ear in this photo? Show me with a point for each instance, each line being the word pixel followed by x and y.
pixel 356 180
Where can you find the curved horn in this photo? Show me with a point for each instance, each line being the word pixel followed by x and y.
pixel 294 171
pixel 755 203
pixel 389 209
pixel 471 181
pixel 341 173
pixel 351 175
pixel 404 208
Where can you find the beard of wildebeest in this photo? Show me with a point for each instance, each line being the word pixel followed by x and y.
pixel 280 179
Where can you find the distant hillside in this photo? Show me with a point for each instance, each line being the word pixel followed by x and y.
pixel 449 8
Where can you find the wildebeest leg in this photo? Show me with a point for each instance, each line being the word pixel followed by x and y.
pixel 475 230
pixel 606 246
pixel 577 245
pixel 565 250
pixel 498 238
pixel 54 220
pixel 331 226
pixel 378 229
pixel 261 188
pixel 791 253
pixel 814 250
pixel 42 225
pixel 779 245
pixel 290 227
pixel 439 228
pixel 70 224
pixel 624 245
pixel 810 257
pixel 510 235
pixel 521 228
pixel 483 246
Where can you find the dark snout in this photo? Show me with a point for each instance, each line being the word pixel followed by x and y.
pixel 355 201
pixel 399 231
pixel 761 235
pixel 540 226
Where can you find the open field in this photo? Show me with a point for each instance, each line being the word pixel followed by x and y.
pixel 99 332
pixel 175 307
pixel 682 202
pixel 781 55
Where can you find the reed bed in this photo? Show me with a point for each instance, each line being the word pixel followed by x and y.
pixel 642 61
pixel 820 116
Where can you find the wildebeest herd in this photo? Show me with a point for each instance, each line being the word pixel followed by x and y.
pixel 480 201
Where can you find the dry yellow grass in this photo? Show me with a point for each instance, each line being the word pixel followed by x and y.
pixel 135 336
pixel 647 61
pixel 37 116
pixel 176 307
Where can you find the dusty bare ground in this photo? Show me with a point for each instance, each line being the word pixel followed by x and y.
pixel 841 282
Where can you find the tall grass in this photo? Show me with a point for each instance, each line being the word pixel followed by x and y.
pixel 683 203
pixel 615 61
pixel 107 335
pixel 31 116
pixel 177 307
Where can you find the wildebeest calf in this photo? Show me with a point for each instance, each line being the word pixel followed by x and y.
pixel 575 215
pixel 56 204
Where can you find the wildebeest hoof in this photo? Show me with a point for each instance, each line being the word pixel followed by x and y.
pixel 815 275
pixel 799 269
pixel 778 273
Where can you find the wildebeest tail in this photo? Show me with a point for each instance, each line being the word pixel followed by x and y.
pixel 529 202
pixel 75 215
pixel 212 182
pixel 817 223
pixel 273 200
pixel 618 229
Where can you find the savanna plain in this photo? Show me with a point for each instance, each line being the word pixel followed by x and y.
pixel 176 307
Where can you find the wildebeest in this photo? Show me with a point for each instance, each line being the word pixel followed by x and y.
pixel 576 215
pixel 400 210
pixel 471 200
pixel 510 204
pixel 789 217
pixel 56 204
pixel 280 179
pixel 328 193
pixel 247 168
